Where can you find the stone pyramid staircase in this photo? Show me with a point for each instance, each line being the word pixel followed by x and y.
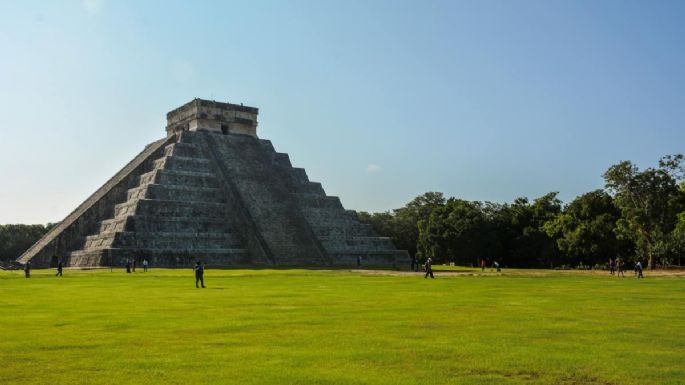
pixel 176 214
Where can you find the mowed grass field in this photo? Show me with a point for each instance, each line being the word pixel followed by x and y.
pixel 340 327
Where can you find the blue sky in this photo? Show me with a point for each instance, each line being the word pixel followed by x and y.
pixel 380 101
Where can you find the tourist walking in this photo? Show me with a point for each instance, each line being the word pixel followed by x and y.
pixel 428 266
pixel 638 269
pixel 27 270
pixel 59 269
pixel 145 265
pixel 199 274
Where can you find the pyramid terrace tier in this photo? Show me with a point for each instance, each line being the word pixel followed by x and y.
pixel 183 149
pixel 177 193
pixel 183 163
pixel 353 229
pixel 185 178
pixel 161 240
pixel 170 224
pixel 381 258
pixel 161 208
pixel 161 257
pixel 355 245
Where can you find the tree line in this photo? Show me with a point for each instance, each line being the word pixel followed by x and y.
pixel 15 239
pixel 639 215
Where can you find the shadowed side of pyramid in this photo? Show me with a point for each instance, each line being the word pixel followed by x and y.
pixel 212 191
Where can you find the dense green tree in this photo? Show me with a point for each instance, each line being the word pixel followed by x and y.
pixel 496 232
pixel 679 237
pixel 528 244
pixel 453 232
pixel 650 201
pixel 408 217
pixel 584 231
pixel 401 224
pixel 15 239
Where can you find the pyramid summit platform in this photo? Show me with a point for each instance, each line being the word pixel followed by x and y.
pixel 212 190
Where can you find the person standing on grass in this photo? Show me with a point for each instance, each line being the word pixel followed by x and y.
pixel 620 265
pixel 134 264
pixel 145 265
pixel 199 274
pixel 612 266
pixel 59 269
pixel 638 269
pixel 359 261
pixel 496 264
pixel 128 266
pixel 482 265
pixel 428 266
pixel 27 270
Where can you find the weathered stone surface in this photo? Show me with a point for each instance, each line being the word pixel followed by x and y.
pixel 216 193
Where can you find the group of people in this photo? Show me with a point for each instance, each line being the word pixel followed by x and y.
pixel 131 265
pixel 427 267
pixel 617 267
pixel 27 269
pixel 495 265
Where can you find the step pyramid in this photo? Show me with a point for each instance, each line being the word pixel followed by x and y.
pixel 212 191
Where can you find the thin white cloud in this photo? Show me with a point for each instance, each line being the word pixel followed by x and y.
pixel 373 168
pixel 94 7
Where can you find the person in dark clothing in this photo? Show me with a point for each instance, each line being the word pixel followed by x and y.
pixel 638 269
pixel 612 266
pixel 482 265
pixel 621 267
pixel 128 266
pixel 199 274
pixel 59 269
pixel 359 261
pixel 415 263
pixel 27 270
pixel 428 266
pixel 134 265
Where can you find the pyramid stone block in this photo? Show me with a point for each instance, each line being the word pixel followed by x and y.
pixel 212 190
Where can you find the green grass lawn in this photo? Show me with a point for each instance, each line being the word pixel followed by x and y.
pixel 340 327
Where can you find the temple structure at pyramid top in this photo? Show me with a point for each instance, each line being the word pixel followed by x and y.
pixel 211 116
pixel 213 191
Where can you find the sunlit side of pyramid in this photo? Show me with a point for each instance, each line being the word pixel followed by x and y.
pixel 212 190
